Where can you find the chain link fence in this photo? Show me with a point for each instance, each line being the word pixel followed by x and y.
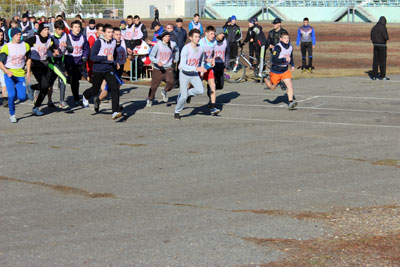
pixel 86 11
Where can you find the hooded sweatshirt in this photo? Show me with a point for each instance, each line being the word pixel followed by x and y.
pixel 379 34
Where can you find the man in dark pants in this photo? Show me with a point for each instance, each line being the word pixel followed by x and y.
pixel 156 15
pixel 103 55
pixel 306 40
pixel 233 35
pixel 260 41
pixel 379 37
pixel 274 36
pixel 181 37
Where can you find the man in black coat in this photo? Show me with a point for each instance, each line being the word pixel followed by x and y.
pixel 379 37
pixel 181 35
pixel 233 35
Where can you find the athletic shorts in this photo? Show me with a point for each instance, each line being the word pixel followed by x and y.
pixel 275 78
pixel 209 75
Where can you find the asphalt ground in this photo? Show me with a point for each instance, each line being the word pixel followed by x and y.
pixel 79 189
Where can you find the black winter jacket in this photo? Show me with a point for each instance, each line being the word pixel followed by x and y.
pixel 379 34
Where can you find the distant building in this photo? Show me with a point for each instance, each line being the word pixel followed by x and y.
pixel 167 8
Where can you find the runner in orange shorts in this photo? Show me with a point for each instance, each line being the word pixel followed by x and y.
pixel 282 57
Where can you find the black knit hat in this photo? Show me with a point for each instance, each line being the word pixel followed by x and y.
pixel 42 26
pixel 162 35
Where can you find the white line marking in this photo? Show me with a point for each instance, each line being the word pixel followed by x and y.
pixel 307 99
pixel 284 121
pixel 317 106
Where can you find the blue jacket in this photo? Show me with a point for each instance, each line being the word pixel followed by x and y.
pixel 306 29
pixel 181 37
pixel 157 33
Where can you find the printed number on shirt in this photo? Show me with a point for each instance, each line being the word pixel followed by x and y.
pixel 108 51
pixel 220 54
pixel 78 50
pixel 193 62
pixel 164 56
pixel 17 60
pixel 42 50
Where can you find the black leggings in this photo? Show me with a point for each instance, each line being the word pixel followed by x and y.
pixel 112 84
pixel 43 76
pixel 75 75
pixel 306 47
pixel 219 75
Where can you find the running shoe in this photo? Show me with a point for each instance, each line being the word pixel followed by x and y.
pixel 384 79
pixel 188 99
pixel 96 104
pixel 164 96
pixel 50 104
pixel 177 116
pixel 85 102
pixel 227 76
pixel 116 115
pixel 303 70
pixel 13 119
pixel 215 111
pixel 37 112
pixel 292 105
pixel 309 70
pixel 63 104
pixel 149 103
pixel 76 103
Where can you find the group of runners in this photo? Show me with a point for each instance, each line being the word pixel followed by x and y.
pixel 67 53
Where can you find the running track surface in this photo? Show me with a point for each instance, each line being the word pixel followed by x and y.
pixel 77 188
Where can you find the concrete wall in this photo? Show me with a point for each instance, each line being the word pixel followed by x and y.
pixel 167 8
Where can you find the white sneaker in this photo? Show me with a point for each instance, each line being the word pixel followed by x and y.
pixel 37 112
pixel 116 115
pixel 13 119
pixel 63 104
pixel 164 96
pixel 149 103
pixel 85 102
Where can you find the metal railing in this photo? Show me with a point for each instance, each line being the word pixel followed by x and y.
pixel 305 3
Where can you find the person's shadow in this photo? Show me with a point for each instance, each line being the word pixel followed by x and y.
pixel 127 90
pixel 131 109
pixel 221 101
